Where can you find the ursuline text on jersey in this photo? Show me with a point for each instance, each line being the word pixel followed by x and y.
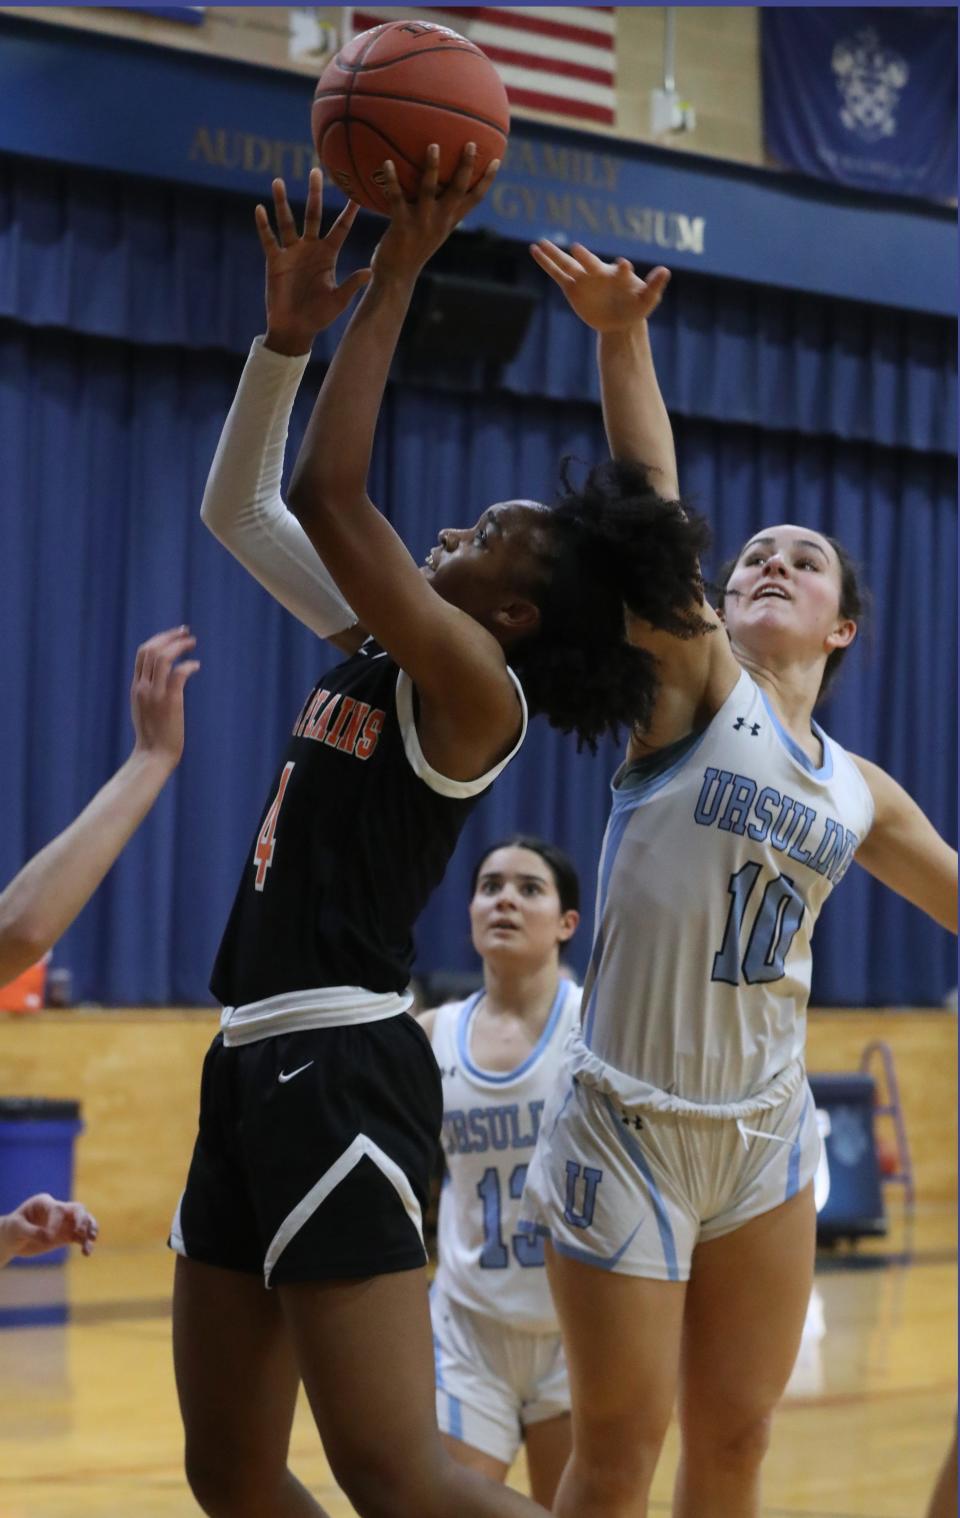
pixel 481 1128
pixel 738 804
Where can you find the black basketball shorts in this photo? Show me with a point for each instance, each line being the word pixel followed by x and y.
pixel 314 1154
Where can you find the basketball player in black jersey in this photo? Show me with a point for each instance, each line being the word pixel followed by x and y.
pixel 321 1099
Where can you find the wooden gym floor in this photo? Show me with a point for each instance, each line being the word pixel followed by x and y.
pixel 89 1425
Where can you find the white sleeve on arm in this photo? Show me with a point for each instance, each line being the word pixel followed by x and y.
pixel 242 504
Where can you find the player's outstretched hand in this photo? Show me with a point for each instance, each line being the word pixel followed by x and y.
pixel 41 1223
pixel 419 227
pixel 156 695
pixel 610 297
pixel 302 293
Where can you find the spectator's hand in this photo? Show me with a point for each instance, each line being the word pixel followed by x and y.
pixel 156 695
pixel 42 1223
pixel 419 227
pixel 302 293
pixel 610 297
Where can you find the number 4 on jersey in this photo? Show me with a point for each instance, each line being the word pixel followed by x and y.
pixel 267 842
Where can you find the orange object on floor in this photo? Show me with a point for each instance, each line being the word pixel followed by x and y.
pixel 25 993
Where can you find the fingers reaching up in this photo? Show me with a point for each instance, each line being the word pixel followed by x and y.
pixel 156 695
pixel 313 211
pixel 420 226
pixel 337 235
pixel 302 294
pixel 610 297
pixel 430 178
pixel 287 233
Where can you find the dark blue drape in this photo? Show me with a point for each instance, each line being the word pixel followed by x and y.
pixel 124 312
pixel 152 264
pixel 106 447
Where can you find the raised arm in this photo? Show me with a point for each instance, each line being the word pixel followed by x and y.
pixel 41 902
pixel 904 850
pixel 457 666
pixel 242 504
pixel 328 488
pixel 695 675
pixel 613 300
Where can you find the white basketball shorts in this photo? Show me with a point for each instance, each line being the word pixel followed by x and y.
pixel 634 1190
pixel 493 1380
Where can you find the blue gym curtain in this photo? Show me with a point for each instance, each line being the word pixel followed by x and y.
pixel 124 315
pixel 159 264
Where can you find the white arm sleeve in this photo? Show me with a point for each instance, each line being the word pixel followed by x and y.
pixel 242 504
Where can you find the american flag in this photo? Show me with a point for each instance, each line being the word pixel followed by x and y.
pixel 556 58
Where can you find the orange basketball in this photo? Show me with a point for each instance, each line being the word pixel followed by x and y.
pixel 395 89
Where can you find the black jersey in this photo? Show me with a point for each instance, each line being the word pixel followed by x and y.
pixel 350 845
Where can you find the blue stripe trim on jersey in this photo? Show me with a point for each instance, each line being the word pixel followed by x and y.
pixel 467 1011
pixel 454 1408
pixel 659 1207
pixel 825 772
pixel 638 783
pixel 587 1256
pixel 505 1077
pixel 793 1163
pixel 437 1370
pixel 591 1008
pixel 617 826
pixel 456 1416
pixel 563 1108
pixel 644 777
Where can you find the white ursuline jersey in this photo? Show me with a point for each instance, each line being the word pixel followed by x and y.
pixel 718 855
pixel 490 1125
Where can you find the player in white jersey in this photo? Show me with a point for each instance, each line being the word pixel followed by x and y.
pixel 674 1169
pixel 500 1372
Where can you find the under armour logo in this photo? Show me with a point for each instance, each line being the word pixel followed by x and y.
pixel 742 722
pixel 447 1072
pixel 632 1122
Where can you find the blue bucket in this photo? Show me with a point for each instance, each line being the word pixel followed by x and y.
pixel 36 1154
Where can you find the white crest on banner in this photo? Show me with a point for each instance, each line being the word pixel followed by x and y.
pixel 869 77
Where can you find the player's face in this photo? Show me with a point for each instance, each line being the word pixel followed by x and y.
pixel 486 568
pixel 783 597
pixel 515 916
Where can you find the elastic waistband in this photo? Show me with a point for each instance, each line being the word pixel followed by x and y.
pixel 296 1011
pixel 632 1092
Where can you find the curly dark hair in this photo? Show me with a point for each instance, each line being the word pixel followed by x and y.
pixel 609 544
pixel 854 603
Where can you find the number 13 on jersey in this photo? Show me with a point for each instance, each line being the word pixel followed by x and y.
pixel 495 1255
pixel 267 841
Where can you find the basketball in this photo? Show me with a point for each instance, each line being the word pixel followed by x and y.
pixel 395 89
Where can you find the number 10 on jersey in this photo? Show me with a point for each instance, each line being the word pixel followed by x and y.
pixel 774 928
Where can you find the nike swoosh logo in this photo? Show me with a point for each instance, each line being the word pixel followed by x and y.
pixel 283 1077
